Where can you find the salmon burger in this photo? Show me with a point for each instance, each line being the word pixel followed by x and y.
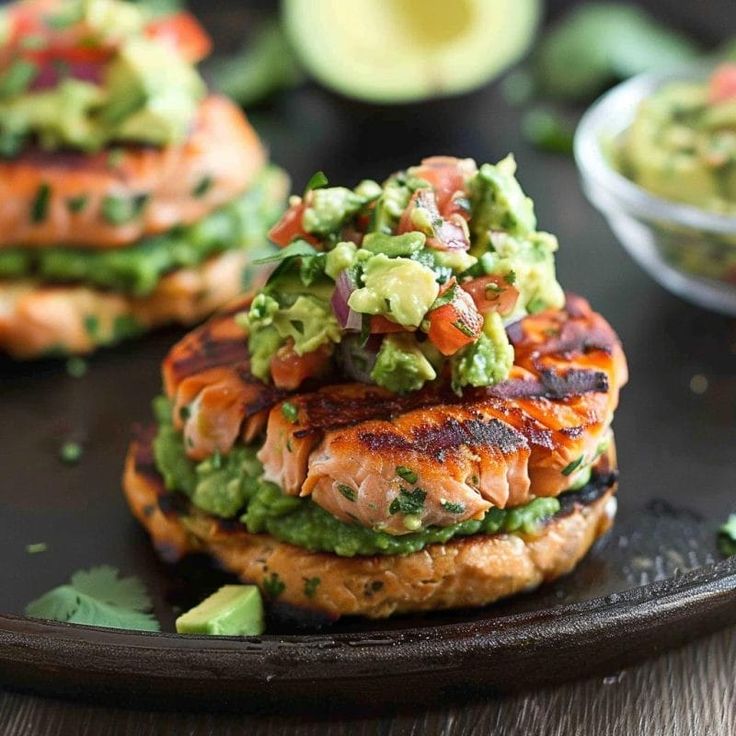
pixel 131 195
pixel 409 415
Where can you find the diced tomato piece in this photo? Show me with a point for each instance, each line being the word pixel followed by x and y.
pixel 72 43
pixel 441 234
pixel 289 370
pixel 492 294
pixel 722 85
pixel 184 33
pixel 381 326
pixel 456 324
pixel 447 175
pixel 290 227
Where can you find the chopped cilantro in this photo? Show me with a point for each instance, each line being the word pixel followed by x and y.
pixel 98 597
pixel 122 210
pixel 510 278
pixel 290 412
pixel 347 491
pixel 203 186
pixel 547 130
pixel 459 325
pixel 92 325
pixel 71 453
pixel 273 585
pixel 452 507
pixel 40 204
pixel 77 204
pixel 17 78
pixel 76 367
pixel 408 502
pixel 37 548
pixel 572 467
pixel 406 473
pixel 298 248
pixel 310 586
pixel 446 297
pixel 316 181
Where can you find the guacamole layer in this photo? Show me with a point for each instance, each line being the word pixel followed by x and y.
pixel 137 269
pixel 229 486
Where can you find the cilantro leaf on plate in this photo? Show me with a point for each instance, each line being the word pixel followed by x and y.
pixel 98 597
pixel 727 536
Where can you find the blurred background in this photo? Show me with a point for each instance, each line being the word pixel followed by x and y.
pixel 558 63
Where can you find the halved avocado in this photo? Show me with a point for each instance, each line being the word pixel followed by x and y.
pixel 396 51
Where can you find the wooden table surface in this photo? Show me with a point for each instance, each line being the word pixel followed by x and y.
pixel 689 692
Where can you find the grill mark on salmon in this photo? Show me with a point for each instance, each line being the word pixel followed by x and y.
pixel 436 439
pixel 555 409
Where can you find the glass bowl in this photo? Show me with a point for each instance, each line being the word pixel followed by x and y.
pixel 687 250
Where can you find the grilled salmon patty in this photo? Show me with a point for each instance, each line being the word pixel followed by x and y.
pixel 470 571
pixel 38 320
pixel 429 458
pixel 113 198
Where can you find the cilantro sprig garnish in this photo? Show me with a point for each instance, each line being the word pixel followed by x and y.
pixel 98 597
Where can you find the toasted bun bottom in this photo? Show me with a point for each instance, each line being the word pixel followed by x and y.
pixel 466 572
pixel 38 319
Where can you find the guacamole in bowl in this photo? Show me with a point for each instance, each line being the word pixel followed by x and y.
pixel 657 156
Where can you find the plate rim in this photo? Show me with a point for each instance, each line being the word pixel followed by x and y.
pixel 297 666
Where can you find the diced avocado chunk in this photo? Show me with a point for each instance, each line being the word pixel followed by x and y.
pixel 498 203
pixel 400 288
pixel 330 208
pixel 486 361
pixel 531 259
pixel 342 256
pixel 400 365
pixel 394 245
pixel 153 94
pixel 234 610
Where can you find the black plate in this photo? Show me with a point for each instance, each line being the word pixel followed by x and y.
pixel 651 583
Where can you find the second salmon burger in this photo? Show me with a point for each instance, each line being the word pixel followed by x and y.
pixel 130 194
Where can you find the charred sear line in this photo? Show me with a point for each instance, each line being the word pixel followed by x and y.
pixel 438 439
pixel 145 463
pixel 598 486
pixel 173 504
pixel 574 382
pixel 552 385
pixel 576 338
pixel 261 397
pixel 327 411
pixel 209 354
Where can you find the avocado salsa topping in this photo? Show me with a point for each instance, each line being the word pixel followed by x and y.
pixel 397 284
pixel 85 73
pixel 682 143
